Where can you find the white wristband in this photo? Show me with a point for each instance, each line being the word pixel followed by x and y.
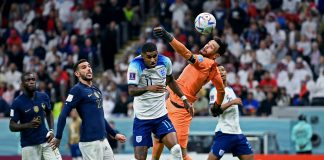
pixel 183 97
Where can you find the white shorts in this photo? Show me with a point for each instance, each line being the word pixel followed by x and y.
pixel 39 152
pixel 96 150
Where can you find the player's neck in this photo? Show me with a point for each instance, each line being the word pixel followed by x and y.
pixel 225 84
pixel 88 83
pixel 30 94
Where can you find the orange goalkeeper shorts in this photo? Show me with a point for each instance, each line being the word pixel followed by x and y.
pixel 181 120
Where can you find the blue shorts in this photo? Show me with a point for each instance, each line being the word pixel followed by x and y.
pixel 143 129
pixel 75 150
pixel 236 144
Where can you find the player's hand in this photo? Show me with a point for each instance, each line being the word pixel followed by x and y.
pixel 55 143
pixel 160 32
pixel 215 110
pixel 49 136
pixel 121 138
pixel 237 101
pixel 156 88
pixel 190 109
pixel 35 123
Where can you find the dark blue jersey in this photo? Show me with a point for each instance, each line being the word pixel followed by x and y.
pixel 88 102
pixel 24 109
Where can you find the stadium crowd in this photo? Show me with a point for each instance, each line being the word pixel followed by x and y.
pixel 275 53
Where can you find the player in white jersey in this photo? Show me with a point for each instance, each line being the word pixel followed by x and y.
pixel 148 75
pixel 228 133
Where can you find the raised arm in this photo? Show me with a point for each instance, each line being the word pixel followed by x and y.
pixel 160 32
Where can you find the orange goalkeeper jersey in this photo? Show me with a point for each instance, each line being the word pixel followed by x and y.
pixel 196 75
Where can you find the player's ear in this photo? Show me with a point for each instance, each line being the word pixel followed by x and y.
pixel 76 73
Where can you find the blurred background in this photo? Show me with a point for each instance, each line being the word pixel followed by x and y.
pixel 275 61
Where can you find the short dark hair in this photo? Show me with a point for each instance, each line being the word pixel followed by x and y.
pixel 22 78
pixel 222 46
pixel 149 47
pixel 75 66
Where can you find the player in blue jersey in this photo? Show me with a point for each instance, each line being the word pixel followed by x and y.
pixel 27 113
pixel 228 133
pixel 148 75
pixel 87 99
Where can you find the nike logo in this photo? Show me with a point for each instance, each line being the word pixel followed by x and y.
pixel 89 95
pixel 27 110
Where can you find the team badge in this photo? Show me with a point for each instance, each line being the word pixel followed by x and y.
pixel 132 76
pixel 36 109
pixel 212 98
pixel 43 105
pixel 138 139
pixel 163 72
pixel 97 94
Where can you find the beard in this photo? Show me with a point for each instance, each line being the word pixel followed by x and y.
pixel 85 78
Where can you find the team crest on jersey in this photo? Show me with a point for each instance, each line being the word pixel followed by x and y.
pixel 43 105
pixel 132 76
pixel 138 139
pixel 221 152
pixel 36 109
pixel 212 98
pixel 163 72
pixel 97 94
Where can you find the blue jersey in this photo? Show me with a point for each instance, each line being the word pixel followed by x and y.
pixel 88 102
pixel 24 109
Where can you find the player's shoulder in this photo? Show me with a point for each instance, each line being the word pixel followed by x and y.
pixel 77 87
pixel 137 62
pixel 41 95
pixel 163 60
pixel 205 60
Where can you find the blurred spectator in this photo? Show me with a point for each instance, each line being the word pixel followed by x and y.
pixel 268 84
pixel 237 18
pixel 109 46
pixel 318 94
pixel 263 54
pixel 121 105
pixel 4 108
pixel 74 135
pixel 83 25
pixel 12 76
pixel 266 105
pixel 283 99
pixel 250 105
pixel 201 105
pixel 179 9
pixel 301 136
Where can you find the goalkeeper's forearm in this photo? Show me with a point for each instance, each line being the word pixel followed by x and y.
pixel 181 49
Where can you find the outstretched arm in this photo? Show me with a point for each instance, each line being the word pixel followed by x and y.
pixel 160 32
pixel 175 88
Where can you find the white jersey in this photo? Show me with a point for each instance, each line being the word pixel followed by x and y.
pixel 149 105
pixel 228 122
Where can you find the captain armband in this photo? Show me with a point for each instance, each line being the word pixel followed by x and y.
pixel 192 59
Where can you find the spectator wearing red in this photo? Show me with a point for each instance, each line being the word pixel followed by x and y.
pixel 268 84
pixel 14 39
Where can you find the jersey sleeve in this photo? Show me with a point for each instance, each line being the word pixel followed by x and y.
pixel 133 73
pixel 199 62
pixel 212 95
pixel 168 65
pixel 48 102
pixel 14 112
pixel 217 81
pixel 71 101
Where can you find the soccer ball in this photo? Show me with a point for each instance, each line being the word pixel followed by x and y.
pixel 205 23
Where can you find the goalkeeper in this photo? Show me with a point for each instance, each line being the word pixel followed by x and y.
pixel 201 69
